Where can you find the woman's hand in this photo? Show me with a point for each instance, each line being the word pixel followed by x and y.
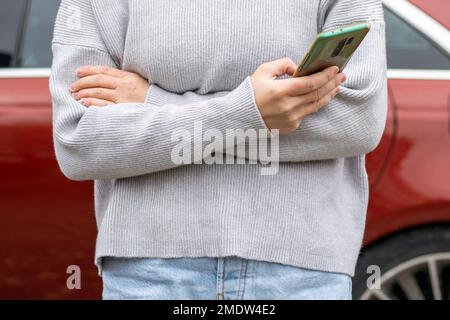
pixel 284 104
pixel 102 86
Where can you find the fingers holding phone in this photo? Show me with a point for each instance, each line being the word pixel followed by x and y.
pixel 284 104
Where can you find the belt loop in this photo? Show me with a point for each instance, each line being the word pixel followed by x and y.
pixel 242 279
pixel 220 274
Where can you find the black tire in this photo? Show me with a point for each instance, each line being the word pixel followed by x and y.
pixel 395 250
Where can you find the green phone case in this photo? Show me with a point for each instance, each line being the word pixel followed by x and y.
pixel 333 47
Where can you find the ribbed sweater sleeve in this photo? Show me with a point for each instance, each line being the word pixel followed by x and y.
pixel 124 140
pixel 353 123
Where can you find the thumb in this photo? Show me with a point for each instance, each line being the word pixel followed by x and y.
pixel 281 67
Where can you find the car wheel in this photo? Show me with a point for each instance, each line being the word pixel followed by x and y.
pixel 414 265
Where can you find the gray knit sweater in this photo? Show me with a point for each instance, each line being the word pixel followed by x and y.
pixel 198 56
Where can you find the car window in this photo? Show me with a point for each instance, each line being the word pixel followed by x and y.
pixel 409 49
pixel 38 33
pixel 11 17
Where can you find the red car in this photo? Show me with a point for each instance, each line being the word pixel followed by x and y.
pixel 47 222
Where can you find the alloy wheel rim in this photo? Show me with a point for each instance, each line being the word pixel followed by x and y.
pixel 425 277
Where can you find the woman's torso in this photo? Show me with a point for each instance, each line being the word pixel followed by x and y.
pixel 217 49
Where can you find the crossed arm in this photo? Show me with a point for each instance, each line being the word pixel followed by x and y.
pixel 113 124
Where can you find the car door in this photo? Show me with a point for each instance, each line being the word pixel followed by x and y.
pixel 46 222
pixel 415 185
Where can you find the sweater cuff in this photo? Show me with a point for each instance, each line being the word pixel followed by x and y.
pixel 270 134
pixel 156 96
pixel 241 100
pixel 242 103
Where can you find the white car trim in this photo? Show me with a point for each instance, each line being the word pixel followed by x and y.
pixel 24 73
pixel 418 74
pixel 421 21
pixel 414 74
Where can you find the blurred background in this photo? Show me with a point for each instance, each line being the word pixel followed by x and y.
pixel 47 222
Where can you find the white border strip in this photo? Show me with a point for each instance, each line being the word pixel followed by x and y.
pixel 421 21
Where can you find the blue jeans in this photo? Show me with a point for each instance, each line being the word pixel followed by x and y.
pixel 217 278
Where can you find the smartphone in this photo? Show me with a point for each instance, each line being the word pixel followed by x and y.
pixel 333 47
